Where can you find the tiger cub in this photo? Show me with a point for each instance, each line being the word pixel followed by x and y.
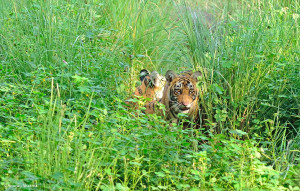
pixel 152 86
pixel 181 95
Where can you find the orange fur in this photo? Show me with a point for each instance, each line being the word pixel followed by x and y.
pixel 151 87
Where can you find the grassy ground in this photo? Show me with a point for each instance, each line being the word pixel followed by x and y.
pixel 67 66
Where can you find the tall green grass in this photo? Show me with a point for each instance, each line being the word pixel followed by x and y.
pixel 251 61
pixel 251 56
pixel 66 67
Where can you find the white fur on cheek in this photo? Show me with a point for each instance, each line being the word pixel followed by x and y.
pixel 159 94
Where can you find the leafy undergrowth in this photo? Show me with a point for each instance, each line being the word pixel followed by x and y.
pixel 83 144
pixel 67 66
pixel 53 147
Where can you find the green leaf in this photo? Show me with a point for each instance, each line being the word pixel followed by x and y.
pixel 227 64
pixel 238 132
pixel 160 174
pixel 120 187
pixel 58 175
pixel 135 163
pixel 218 89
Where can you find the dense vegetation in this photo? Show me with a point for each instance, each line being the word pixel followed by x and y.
pixel 68 65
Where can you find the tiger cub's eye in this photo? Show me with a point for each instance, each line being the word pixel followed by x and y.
pixel 192 91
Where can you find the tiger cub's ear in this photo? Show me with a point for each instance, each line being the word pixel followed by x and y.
pixel 170 75
pixel 143 74
pixel 196 74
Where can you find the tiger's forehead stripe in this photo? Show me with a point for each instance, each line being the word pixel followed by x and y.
pixel 184 82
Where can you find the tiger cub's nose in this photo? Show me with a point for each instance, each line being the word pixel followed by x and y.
pixel 186 104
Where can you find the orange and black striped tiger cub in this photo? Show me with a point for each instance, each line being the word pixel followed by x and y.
pixel 152 86
pixel 181 95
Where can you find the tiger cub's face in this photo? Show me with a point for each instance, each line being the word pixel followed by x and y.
pixel 152 85
pixel 183 93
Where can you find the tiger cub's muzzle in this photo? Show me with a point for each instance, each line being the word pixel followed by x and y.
pixel 185 107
